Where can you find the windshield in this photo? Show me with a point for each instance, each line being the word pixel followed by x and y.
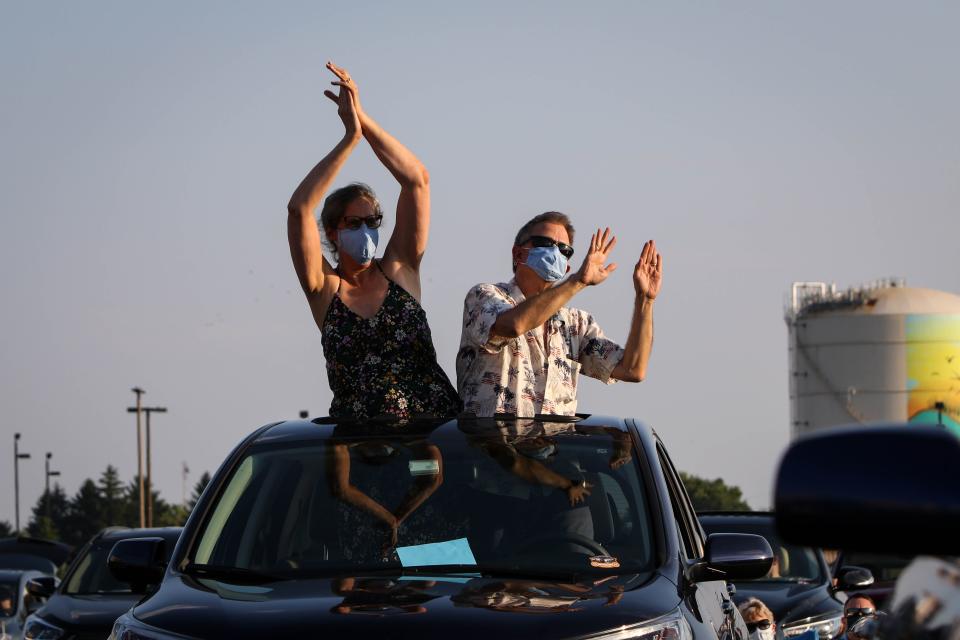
pixel 790 562
pixel 511 499
pixel 91 575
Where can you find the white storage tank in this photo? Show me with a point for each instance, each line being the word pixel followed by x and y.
pixel 883 352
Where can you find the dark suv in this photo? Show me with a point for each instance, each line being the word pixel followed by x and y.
pixel 473 528
pixel 799 589
pixel 89 598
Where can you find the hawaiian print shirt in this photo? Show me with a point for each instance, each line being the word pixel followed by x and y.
pixel 522 376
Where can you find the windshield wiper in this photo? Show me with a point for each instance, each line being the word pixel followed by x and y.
pixel 486 571
pixel 231 574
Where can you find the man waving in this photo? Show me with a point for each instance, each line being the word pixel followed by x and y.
pixel 522 350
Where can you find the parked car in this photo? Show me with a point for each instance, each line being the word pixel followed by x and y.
pixel 901 498
pixel 467 528
pixel 885 568
pixel 85 604
pixel 15 602
pixel 24 552
pixel 799 589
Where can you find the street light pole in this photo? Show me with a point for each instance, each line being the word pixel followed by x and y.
pixel 148 411
pixel 47 474
pixel 137 410
pixel 17 457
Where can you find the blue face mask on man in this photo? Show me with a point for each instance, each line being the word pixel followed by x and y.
pixel 547 262
pixel 360 244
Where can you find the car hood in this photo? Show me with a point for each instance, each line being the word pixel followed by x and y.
pixel 88 611
pixel 790 601
pixel 400 605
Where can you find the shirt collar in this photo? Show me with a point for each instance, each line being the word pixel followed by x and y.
pixel 513 290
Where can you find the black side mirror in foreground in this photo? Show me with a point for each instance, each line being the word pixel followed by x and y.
pixel 138 561
pixel 43 587
pixel 734 556
pixel 851 578
pixel 888 489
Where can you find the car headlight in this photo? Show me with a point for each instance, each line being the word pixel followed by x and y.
pixel 826 627
pixel 38 629
pixel 129 628
pixel 672 626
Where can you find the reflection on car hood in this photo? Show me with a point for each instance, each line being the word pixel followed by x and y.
pixel 92 611
pixel 400 605
pixel 790 601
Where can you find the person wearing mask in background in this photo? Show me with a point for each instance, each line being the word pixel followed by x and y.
pixel 376 340
pixel 857 607
pixel 759 619
pixel 522 349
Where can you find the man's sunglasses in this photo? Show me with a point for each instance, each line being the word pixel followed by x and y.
pixel 759 624
pixel 860 612
pixel 542 241
pixel 354 222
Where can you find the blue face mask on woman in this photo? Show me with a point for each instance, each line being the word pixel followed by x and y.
pixel 360 244
pixel 547 262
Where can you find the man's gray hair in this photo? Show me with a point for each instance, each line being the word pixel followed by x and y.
pixel 550 216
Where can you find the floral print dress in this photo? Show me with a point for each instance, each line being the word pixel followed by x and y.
pixel 385 365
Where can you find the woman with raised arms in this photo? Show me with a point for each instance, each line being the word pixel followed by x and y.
pixel 375 336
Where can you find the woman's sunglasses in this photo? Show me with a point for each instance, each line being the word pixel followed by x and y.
pixel 542 241
pixel 759 624
pixel 354 222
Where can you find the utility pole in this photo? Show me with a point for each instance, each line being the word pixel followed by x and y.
pixel 47 474
pixel 17 457
pixel 137 410
pixel 148 411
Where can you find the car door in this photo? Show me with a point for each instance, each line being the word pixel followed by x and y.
pixel 712 600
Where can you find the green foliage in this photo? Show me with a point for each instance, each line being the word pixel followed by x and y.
pixel 104 503
pixel 713 495
pixel 6 529
pixel 48 514
pixel 198 490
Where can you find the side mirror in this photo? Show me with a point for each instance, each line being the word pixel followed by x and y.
pixel 734 556
pixel 138 562
pixel 851 578
pixel 42 588
pixel 884 489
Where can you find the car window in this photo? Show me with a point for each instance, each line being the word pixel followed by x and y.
pixel 791 563
pixel 90 574
pixel 9 597
pixel 683 511
pixel 884 567
pixel 504 499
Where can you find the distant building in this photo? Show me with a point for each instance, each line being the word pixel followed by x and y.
pixel 883 352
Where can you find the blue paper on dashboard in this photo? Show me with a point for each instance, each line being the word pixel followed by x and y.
pixel 436 553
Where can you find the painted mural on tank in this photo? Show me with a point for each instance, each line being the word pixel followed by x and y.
pixel 933 369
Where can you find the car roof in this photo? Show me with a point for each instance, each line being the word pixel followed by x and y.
pixel 10 574
pixel 749 517
pixel 326 428
pixel 119 533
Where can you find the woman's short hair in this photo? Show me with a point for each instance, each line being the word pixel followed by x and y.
pixel 754 607
pixel 549 216
pixel 336 204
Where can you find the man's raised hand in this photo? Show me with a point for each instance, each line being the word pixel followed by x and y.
pixel 648 274
pixel 593 271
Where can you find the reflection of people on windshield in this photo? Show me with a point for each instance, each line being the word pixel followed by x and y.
pixel 533 597
pixel 370 498
pixel 382 597
pixel 519 516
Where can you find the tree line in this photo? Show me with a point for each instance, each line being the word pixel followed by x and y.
pixel 106 502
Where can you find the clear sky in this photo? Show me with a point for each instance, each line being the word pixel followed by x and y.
pixel 147 152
